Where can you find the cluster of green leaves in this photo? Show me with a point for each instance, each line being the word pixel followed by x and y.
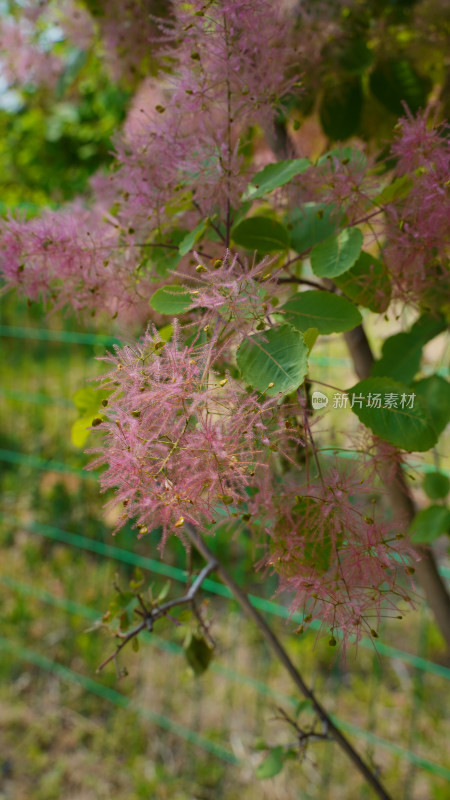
pixel 380 57
pixel 275 360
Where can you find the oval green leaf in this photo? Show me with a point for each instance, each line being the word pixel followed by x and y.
pixel 401 356
pixel 341 107
pixel 274 361
pixel 429 524
pixel 187 243
pixel 367 283
pixel 435 395
pixel 382 404
pixel 263 234
pixel 397 190
pixel 310 224
pixel 272 764
pixel 325 311
pixel 171 300
pixel 275 175
pixel 436 485
pixel 337 254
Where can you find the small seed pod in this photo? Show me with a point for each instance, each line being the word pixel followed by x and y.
pixel 97 421
pixel 179 523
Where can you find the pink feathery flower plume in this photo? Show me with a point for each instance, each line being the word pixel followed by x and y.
pixel 417 229
pixel 76 257
pixel 180 444
pixel 345 567
pixel 234 291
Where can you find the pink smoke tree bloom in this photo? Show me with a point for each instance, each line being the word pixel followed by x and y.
pixel 344 567
pixel 181 444
pixel 417 229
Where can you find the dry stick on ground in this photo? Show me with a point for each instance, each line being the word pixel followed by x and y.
pixel 402 503
pixel 276 646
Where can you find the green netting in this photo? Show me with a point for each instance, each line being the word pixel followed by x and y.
pixel 174 649
pixel 175 573
pixel 66 674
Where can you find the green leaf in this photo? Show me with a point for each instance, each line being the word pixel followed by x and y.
pixel 164 591
pixel 356 56
pixel 340 108
pixel 73 67
pixel 272 764
pixel 198 653
pixel 310 224
pixel 436 485
pixel 163 260
pixel 171 300
pixel 401 356
pixel 395 81
pixel 88 401
pixel 367 283
pixel 275 175
pixel 262 234
pixel 427 327
pixel 402 353
pixel 80 430
pixel 407 428
pixel 192 237
pixel 336 254
pixel 274 361
pixel 345 155
pixel 397 190
pixel 325 311
pixel 429 524
pixel 434 393
pixel 166 332
pixel 310 337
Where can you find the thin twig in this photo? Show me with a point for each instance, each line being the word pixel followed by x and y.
pixel 306 281
pixel 251 612
pixel 156 612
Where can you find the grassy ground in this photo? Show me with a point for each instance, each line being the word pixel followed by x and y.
pixel 78 735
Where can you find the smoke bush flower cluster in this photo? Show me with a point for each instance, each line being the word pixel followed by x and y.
pixel 417 229
pixel 234 292
pixel 345 567
pixel 74 257
pixel 212 94
pixel 181 444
